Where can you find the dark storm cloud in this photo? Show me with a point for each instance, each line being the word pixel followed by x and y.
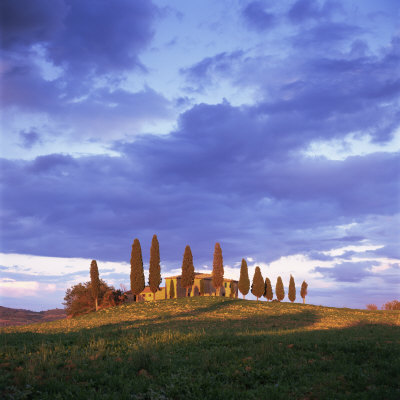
pixel 80 42
pixel 83 37
pixel 25 23
pixel 257 17
pixel 222 175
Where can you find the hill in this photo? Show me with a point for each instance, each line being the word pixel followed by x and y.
pixel 206 348
pixel 14 316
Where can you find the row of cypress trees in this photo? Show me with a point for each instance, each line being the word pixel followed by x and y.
pixel 261 288
pixel 137 272
pixel 187 277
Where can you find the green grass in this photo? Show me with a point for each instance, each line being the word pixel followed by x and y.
pixel 205 348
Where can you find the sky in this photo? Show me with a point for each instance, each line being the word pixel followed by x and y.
pixel 272 128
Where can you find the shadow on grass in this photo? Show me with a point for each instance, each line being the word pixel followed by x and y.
pixel 190 356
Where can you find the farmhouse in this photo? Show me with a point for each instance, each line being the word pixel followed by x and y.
pixel 229 287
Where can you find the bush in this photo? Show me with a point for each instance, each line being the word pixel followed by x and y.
pixel 372 307
pixel 391 305
pixel 79 298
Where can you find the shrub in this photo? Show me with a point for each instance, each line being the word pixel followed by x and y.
pixel 79 298
pixel 391 305
pixel 372 307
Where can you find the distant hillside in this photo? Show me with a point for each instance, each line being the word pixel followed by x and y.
pixel 14 316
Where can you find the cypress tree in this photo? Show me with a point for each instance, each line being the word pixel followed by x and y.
pixel 233 290
pixel 303 291
pixel 171 289
pixel 268 290
pixel 244 281
pixel 95 282
pixel 154 268
pixel 292 289
pixel 279 289
pixel 201 289
pixel 137 273
pixel 187 279
pixel 218 269
pixel 257 287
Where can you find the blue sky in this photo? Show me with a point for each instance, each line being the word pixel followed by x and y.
pixel 271 127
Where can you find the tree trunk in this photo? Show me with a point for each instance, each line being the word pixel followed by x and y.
pixel 304 300
pixel 154 296
pixel 97 305
pixel 187 290
pixel 244 296
pixel 257 299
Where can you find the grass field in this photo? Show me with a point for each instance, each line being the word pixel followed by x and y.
pixel 205 348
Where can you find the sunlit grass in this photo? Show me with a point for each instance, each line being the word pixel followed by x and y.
pixel 206 348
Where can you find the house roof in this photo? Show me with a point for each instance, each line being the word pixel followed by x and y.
pixel 146 290
pixel 200 275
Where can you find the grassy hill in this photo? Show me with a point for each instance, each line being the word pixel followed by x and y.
pixel 205 348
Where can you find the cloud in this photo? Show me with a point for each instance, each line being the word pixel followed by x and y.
pixel 208 69
pixel 93 47
pixel 29 139
pixel 13 288
pixel 25 22
pixel 83 38
pixel 303 10
pixel 165 184
pixel 257 17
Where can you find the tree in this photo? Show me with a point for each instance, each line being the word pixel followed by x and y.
pixel 218 269
pixel 292 289
pixel 171 289
pixel 268 294
pixel 391 305
pixel 244 281
pixel 279 290
pixel 187 279
pixel 372 307
pixel 303 291
pixel 79 298
pixel 154 268
pixel 95 282
pixel 201 289
pixel 257 287
pixel 233 290
pixel 137 273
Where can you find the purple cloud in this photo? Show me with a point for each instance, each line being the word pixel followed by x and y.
pixel 348 271
pixel 257 17
pixel 205 70
pixel 303 10
pixel 29 139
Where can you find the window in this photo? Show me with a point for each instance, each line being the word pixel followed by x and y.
pixel 225 284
